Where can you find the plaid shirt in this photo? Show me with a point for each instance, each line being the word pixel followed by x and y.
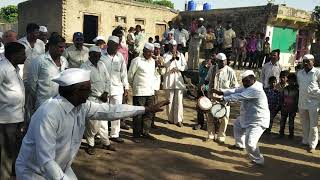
pixel 273 96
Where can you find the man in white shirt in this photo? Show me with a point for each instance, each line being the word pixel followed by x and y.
pixel 118 83
pixel 181 35
pixel 139 40
pixel 309 91
pixel 173 83
pixel 77 53
pixel 271 68
pixel 142 80
pixel 229 37
pixel 194 45
pixel 254 115
pixel 12 100
pixel 168 30
pixel 56 129
pixel 222 78
pixel 44 68
pixel 34 48
pixel 99 77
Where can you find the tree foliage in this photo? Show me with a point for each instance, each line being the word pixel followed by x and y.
pixel 9 13
pixel 166 3
pixel 316 14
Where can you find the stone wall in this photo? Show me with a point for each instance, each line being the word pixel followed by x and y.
pixel 107 10
pixel 244 18
pixel 66 16
pixel 47 13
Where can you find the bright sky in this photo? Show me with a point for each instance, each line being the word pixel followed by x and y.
pixel 179 4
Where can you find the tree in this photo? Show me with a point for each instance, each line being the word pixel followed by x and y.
pixel 164 3
pixel 316 14
pixel 9 13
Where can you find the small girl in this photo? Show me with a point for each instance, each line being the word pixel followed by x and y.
pixel 289 105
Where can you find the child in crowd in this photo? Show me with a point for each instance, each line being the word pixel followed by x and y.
pixel 273 96
pixel 283 81
pixel 203 71
pixel 289 105
pixel 209 40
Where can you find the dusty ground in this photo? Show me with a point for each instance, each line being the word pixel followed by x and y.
pixel 180 153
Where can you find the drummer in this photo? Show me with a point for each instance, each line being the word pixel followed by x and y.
pixel 254 115
pixel 222 77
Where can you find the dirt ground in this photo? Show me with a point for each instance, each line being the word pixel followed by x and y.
pixel 181 154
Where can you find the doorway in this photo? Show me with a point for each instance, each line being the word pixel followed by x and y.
pixel 90 28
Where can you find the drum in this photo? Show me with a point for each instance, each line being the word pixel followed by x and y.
pixel 218 110
pixel 204 103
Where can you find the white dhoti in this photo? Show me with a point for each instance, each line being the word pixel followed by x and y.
pixel 175 108
pixel 248 138
pixel 309 121
pixel 115 125
pixel 93 127
pixel 221 136
pixel 30 175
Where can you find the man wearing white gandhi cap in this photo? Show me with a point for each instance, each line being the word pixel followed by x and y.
pixel 254 115
pixel 43 34
pixel 56 128
pixel 118 85
pixel 142 80
pixel 309 91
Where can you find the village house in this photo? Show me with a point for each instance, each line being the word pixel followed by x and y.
pixel 290 30
pixel 94 17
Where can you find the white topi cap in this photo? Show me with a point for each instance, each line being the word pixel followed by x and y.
pixel 149 46
pixel 221 56
pixel 114 39
pixel 95 49
pixel 171 32
pixel 247 73
pixel 201 19
pixel 72 76
pixel 173 42
pixel 308 56
pixel 43 29
pixel 98 38
pixel 157 45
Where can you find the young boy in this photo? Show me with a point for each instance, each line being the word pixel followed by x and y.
pixel 208 44
pixel 273 96
pixel 203 71
pixel 283 81
pixel 289 105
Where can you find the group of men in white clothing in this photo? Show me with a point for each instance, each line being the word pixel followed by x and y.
pixel 62 94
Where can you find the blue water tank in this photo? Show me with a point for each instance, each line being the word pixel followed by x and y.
pixel 207 6
pixel 192 6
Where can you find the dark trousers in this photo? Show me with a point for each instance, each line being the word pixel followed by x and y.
pixel 283 121
pixel 208 53
pixel 252 59
pixel 142 123
pixel 182 49
pixel 200 113
pixel 273 114
pixel 260 57
pixel 10 142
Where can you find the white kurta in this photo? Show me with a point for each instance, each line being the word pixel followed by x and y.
pixel 269 70
pixel 98 77
pixel 174 80
pixel 42 70
pixel 31 53
pixel 12 97
pixel 54 136
pixel 224 78
pixel 253 120
pixel 181 37
pixel 76 57
pixel 141 76
pixel 309 101
pixel 117 70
